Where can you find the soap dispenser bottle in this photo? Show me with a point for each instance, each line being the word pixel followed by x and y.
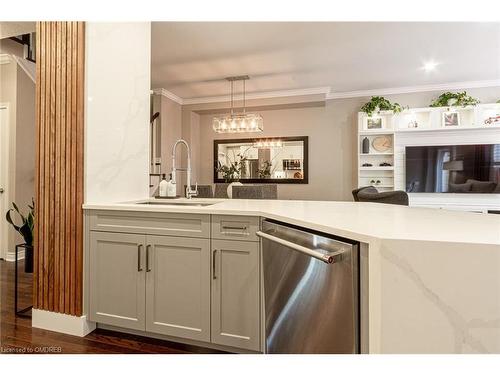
pixel 163 187
pixel 171 188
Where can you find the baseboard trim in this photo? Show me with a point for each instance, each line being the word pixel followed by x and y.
pixel 62 323
pixel 11 257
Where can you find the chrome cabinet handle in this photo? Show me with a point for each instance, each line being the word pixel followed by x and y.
pixel 213 265
pixel 234 228
pixel 333 257
pixel 139 267
pixel 148 268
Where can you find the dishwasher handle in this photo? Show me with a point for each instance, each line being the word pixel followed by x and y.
pixel 328 258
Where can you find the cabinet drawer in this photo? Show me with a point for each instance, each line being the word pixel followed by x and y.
pixel 159 223
pixel 241 228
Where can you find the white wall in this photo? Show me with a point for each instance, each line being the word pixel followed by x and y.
pixel 117 106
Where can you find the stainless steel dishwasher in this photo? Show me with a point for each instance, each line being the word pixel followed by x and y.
pixel 311 291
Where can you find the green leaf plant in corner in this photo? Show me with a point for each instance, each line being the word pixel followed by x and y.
pixel 457 99
pixel 25 229
pixel 379 103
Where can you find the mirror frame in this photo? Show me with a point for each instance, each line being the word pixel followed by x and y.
pixel 304 180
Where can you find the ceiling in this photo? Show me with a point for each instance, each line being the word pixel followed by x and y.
pixel 191 59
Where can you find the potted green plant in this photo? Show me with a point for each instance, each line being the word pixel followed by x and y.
pixel 26 231
pixel 233 171
pixel 454 99
pixel 379 103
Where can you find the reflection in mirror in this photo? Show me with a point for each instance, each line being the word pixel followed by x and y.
pixel 276 160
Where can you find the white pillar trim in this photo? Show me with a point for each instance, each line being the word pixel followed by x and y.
pixel 63 323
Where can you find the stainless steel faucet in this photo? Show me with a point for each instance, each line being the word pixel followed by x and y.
pixel 189 192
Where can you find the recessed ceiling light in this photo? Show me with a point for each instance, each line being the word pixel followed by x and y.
pixel 429 66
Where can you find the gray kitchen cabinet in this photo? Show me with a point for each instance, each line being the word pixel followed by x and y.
pixel 117 280
pixel 164 275
pixel 178 287
pixel 236 294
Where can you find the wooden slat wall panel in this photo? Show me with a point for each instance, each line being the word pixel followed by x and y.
pixel 58 270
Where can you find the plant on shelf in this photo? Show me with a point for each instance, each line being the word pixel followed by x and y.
pixel 234 170
pixel 25 230
pixel 457 99
pixel 379 103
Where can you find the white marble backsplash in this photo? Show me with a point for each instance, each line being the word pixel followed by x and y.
pixel 117 111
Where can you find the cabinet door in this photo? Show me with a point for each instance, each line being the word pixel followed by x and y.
pixel 178 287
pixel 235 294
pixel 117 279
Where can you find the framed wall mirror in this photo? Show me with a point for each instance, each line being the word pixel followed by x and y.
pixel 277 160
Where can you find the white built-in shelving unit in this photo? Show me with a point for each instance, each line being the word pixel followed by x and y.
pixel 400 130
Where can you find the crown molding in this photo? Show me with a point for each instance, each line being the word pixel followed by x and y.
pixel 326 91
pixel 413 89
pixel 259 95
pixel 168 94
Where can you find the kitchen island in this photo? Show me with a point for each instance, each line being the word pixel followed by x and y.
pixel 425 288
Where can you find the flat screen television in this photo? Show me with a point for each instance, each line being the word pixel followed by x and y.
pixel 453 169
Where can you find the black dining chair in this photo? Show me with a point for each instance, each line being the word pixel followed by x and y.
pixel 371 194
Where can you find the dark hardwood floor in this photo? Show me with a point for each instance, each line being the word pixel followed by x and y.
pixel 17 336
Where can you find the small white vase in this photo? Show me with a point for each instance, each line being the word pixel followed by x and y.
pixel 230 188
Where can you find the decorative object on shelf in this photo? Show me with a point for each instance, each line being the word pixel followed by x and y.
pixel 413 124
pixel 494 120
pixel 457 99
pixel 367 165
pixel 238 122
pixel 374 123
pixel 379 103
pixel 366 145
pixel 26 231
pixel 451 118
pixel 230 188
pixel 377 182
pixel 385 164
pixel 382 143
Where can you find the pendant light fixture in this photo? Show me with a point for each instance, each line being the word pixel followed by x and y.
pixel 242 122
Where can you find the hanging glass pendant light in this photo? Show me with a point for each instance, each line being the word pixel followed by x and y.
pixel 238 122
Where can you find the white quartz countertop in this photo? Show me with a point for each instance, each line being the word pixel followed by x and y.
pixel 365 222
